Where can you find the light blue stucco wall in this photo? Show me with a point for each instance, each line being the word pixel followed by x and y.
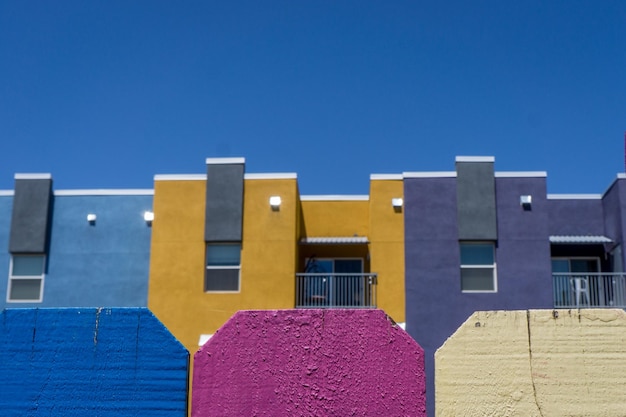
pixel 105 264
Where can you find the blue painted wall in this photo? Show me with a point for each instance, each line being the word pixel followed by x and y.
pixel 90 362
pixel 106 264
pixel 436 307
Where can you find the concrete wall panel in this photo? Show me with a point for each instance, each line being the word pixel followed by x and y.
pixel 534 363
pixel 309 363
pixel 90 362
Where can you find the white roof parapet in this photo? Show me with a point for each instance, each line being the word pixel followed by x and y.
pixel 272 176
pixel 434 174
pixel 475 159
pixel 210 161
pixel 579 239
pixel 104 192
pixel 180 177
pixel 329 240
pixel 574 196
pixel 520 174
pixel 334 197
pixel 41 176
pixel 385 177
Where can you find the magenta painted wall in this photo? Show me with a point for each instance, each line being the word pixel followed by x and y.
pixel 309 363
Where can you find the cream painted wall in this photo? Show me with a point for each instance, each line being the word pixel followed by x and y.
pixel 534 363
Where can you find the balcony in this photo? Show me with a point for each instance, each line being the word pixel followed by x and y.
pixel 589 290
pixel 325 290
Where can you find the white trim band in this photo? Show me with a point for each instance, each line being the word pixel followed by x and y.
pixel 521 174
pixel 334 198
pixel 574 196
pixel 272 176
pixel 104 192
pixel 215 161
pixel 475 159
pixel 436 174
pixel 180 177
pixel 33 176
pixel 374 177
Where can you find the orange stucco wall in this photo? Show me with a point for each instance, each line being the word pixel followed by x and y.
pixel 386 237
pixel 271 253
pixel 267 281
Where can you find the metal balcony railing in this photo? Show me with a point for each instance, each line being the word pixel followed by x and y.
pixel 325 290
pixel 589 290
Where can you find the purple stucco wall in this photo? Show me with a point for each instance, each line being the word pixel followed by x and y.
pixel 614 206
pixel 576 217
pixel 435 305
pixel 309 363
pixel 611 205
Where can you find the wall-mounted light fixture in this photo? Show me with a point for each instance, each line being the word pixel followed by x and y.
pixel 275 201
pixel 148 216
pixel 525 201
pixel 397 204
pixel 91 218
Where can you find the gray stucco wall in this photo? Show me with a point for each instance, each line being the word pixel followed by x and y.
pixel 30 216
pixel 224 202
pixel 476 202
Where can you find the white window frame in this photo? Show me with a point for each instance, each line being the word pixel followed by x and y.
pixel 13 278
pixel 485 266
pixel 222 267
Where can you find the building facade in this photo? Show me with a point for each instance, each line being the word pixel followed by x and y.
pixel 227 240
pixel 78 248
pixel 428 248
pixel 476 239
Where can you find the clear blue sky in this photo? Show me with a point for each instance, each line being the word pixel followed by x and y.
pixel 106 94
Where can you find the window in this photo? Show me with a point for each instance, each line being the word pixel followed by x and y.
pixel 478 267
pixel 26 278
pixel 223 262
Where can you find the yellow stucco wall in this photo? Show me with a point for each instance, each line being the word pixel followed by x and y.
pixel 374 218
pixel 534 363
pixel 335 218
pixel 176 289
pixel 177 257
pixel 271 253
pixel 386 235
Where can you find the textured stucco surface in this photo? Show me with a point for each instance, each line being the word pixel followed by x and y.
pixel 534 363
pixel 90 362
pixel 104 264
pixel 435 304
pixel 309 363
